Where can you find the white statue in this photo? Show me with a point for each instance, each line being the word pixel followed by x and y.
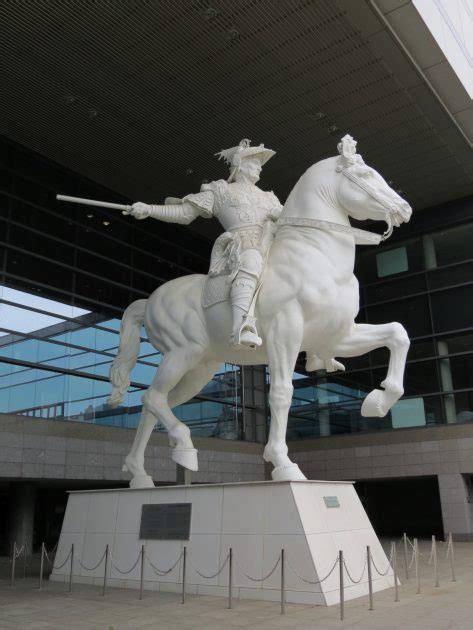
pixel 248 215
pixel 308 298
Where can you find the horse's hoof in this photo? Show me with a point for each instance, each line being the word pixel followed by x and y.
pixel 288 473
pixel 371 406
pixel 141 481
pixel 186 457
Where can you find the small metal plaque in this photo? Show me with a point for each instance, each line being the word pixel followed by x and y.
pixel 165 521
pixel 331 502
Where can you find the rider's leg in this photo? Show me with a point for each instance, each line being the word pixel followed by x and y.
pixel 366 337
pixel 242 292
pixel 241 295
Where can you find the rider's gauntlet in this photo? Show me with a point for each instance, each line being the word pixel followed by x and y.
pixel 173 213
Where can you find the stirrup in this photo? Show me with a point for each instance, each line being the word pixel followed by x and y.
pixel 248 335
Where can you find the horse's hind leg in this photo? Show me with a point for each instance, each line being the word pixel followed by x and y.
pixel 172 370
pixel 156 407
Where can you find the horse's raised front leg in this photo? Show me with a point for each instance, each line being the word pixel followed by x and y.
pixel 366 337
pixel 283 342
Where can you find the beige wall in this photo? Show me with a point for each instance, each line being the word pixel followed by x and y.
pixel 39 449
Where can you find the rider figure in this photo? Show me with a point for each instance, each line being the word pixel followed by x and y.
pixel 249 217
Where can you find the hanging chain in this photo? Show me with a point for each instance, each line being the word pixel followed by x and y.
pixel 210 577
pixel 95 566
pixel 313 581
pixel 349 575
pixel 129 570
pixel 389 565
pixel 161 571
pixel 253 579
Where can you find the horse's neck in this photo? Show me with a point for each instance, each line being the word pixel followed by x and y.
pixel 320 204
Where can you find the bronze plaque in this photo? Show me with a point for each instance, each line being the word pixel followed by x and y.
pixel 165 521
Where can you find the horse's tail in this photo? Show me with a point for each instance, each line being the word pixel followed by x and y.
pixel 128 351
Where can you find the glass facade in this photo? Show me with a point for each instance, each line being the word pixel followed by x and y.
pixel 424 282
pixel 68 272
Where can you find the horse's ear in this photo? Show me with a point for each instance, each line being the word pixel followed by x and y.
pixel 347 149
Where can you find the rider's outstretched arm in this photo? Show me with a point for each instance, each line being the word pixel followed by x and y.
pixel 181 211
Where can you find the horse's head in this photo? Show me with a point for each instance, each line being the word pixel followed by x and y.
pixel 364 193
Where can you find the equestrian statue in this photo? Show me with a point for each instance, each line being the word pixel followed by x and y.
pixel 281 282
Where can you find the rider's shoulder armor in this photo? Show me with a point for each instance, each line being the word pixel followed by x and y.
pixel 246 206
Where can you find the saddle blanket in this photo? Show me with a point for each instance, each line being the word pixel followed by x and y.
pixel 216 289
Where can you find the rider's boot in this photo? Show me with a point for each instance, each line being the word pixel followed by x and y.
pixel 244 331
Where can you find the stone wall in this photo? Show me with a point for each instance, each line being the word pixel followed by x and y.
pixel 444 451
pixel 47 449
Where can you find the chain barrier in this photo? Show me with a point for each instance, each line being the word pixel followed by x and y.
pixel 161 571
pixel 253 579
pixel 61 565
pixel 413 557
pixel 51 552
pixel 350 577
pixel 382 574
pixel 449 547
pixel 129 570
pixel 210 577
pixel 19 552
pixel 297 574
pixel 95 566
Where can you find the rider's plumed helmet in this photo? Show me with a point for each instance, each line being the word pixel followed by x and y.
pixel 234 156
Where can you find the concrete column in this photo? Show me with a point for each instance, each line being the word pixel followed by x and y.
pixel 324 413
pixel 21 506
pixel 456 510
pixel 447 382
pixel 254 399
pixel 430 256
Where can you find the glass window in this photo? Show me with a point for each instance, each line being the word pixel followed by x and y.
pixel 453 245
pixel 450 276
pixel 452 309
pixel 391 262
pixel 408 412
pixel 395 287
pixel 413 313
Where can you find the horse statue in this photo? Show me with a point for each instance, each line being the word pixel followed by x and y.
pixel 308 301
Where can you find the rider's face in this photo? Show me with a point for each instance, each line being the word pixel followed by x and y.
pixel 250 169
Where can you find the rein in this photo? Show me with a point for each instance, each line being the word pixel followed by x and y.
pixel 363 237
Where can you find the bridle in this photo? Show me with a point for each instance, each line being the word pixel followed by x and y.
pixel 363 237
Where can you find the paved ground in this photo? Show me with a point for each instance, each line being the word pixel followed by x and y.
pixel 450 606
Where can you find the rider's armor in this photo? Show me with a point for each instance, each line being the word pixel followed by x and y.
pixel 248 215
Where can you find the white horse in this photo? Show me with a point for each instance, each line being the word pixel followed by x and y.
pixel 308 302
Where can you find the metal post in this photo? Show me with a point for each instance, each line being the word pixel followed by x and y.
pixel 142 571
pixel 452 558
pixel 230 577
pixel 13 563
pixel 416 564
pixel 283 587
pixel 405 555
pixel 184 575
pixel 342 591
pixel 396 587
pixel 370 579
pixel 105 571
pixel 41 567
pixel 72 564
pixel 24 560
pixel 436 566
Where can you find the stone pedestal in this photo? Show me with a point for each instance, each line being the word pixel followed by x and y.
pixel 310 520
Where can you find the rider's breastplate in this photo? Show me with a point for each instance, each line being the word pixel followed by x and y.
pixel 245 206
